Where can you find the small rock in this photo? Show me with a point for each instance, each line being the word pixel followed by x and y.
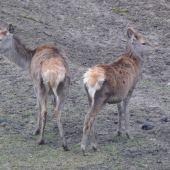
pixel 147 127
pixel 163 119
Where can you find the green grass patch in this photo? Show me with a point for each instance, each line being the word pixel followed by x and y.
pixel 117 168
pixel 121 11
pixel 23 154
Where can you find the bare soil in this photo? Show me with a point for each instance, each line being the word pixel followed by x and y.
pixel 90 32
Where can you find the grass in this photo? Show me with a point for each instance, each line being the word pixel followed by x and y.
pixel 155 86
pixel 142 163
pixel 34 19
pixel 117 168
pixel 20 151
pixel 25 154
pixel 122 12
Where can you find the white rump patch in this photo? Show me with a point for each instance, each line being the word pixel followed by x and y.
pixel 86 76
pixel 99 81
pixel 46 76
pixel 92 90
pixel 53 76
pixel 61 75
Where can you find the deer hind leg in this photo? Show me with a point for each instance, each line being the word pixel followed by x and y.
pixel 97 105
pixel 37 129
pixel 44 117
pixel 59 98
pixel 42 100
pixel 93 139
pixel 88 96
pixel 120 107
pixel 41 93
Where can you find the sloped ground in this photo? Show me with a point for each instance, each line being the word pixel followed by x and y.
pixel 90 32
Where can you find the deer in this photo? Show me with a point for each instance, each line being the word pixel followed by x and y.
pixel 49 72
pixel 114 83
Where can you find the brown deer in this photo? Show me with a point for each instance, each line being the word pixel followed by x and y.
pixel 49 71
pixel 114 83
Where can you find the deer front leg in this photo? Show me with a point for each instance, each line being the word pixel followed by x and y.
pixel 128 134
pixel 120 107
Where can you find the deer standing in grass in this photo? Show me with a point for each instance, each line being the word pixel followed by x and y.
pixel 49 71
pixel 114 83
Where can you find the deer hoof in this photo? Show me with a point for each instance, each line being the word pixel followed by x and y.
pixel 94 148
pixel 86 154
pixel 36 132
pixel 84 151
pixel 41 142
pixel 119 133
pixel 66 148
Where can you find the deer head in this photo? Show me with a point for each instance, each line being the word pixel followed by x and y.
pixel 5 38
pixel 138 44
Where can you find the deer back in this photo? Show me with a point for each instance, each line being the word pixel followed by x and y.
pixel 49 66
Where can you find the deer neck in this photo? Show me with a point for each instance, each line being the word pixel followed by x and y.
pixel 19 54
pixel 138 58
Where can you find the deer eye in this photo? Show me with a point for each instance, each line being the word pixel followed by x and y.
pixel 143 43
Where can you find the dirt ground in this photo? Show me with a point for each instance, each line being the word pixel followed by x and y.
pixel 90 32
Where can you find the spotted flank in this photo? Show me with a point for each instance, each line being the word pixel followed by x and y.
pixel 113 83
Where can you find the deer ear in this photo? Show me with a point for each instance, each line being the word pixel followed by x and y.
pixel 130 33
pixel 10 29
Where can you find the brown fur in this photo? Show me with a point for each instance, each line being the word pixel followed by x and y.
pixel 49 58
pixel 48 69
pixel 3 33
pixel 55 67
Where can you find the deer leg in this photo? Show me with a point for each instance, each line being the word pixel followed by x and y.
pixel 126 101
pixel 93 139
pixel 37 129
pixel 59 123
pixel 89 98
pixel 120 107
pixel 98 103
pixel 44 116
pixel 59 98
pixel 54 100
pixel 86 129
